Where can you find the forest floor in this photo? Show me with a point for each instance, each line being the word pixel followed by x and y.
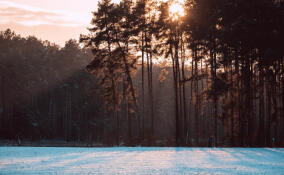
pixel 141 160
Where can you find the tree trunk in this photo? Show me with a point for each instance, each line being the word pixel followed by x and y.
pixel 183 93
pixel 143 100
pixel 197 97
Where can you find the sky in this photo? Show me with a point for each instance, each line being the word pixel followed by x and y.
pixel 53 20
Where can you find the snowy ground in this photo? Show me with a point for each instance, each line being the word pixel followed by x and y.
pixel 47 160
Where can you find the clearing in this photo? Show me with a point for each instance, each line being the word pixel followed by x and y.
pixel 141 160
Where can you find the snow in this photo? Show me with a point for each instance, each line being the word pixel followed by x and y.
pixel 141 160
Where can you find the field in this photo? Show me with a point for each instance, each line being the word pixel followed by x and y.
pixel 141 160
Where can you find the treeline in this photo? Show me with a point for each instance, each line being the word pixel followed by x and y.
pixel 48 97
pixel 46 92
pixel 226 62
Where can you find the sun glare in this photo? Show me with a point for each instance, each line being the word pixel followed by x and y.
pixel 176 10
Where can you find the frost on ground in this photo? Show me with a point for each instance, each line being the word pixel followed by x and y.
pixel 138 160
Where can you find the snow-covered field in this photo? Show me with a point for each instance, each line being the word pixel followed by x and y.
pixel 47 160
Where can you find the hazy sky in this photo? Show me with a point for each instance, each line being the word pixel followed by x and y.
pixel 54 20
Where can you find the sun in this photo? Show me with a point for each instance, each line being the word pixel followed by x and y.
pixel 176 10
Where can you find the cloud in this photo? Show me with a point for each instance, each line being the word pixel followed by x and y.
pixel 14 11
pixel 13 14
pixel 30 16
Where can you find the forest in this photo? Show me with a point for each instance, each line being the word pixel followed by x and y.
pixel 151 73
